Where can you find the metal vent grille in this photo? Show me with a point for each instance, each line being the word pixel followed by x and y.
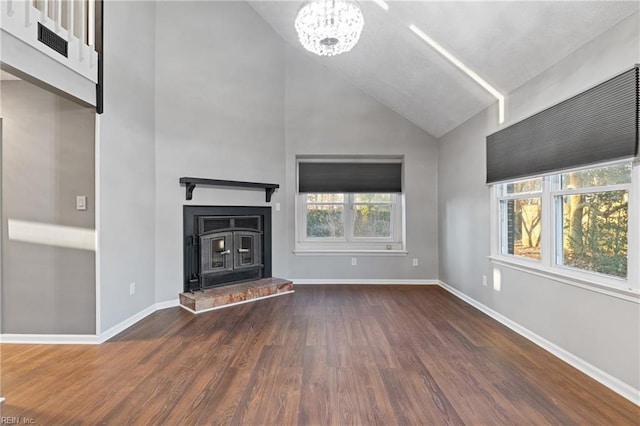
pixel 214 224
pixel 637 110
pixel 51 39
pixel 248 223
pixel 213 280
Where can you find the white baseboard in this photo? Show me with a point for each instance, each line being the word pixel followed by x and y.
pixel 303 281
pixel 50 339
pixel 590 370
pixel 86 339
pixel 119 328
pixel 215 308
pixel 167 304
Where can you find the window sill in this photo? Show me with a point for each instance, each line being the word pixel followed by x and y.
pixel 574 279
pixel 302 252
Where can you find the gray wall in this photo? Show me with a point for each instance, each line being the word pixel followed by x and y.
pixel 229 116
pixel 48 159
pixel 219 114
pixel 327 116
pixel 2 231
pixel 127 163
pixel 600 329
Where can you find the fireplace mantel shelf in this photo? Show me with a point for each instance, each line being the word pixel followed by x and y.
pixel 191 182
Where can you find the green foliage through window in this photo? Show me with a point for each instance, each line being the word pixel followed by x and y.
pixel 366 215
pixel 590 216
pixel 595 232
pixel 325 221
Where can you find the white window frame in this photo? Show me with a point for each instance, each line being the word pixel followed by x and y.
pixel 350 243
pixel 627 288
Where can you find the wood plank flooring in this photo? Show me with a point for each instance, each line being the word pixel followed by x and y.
pixel 325 355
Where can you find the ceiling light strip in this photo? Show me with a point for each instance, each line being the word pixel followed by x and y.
pixel 458 63
pixel 382 4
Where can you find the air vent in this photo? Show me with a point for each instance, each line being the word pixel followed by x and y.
pixel 52 40
pixel 214 224
pixel 248 223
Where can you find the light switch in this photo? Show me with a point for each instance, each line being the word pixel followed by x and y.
pixel 81 202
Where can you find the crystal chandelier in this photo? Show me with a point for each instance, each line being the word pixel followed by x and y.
pixel 329 27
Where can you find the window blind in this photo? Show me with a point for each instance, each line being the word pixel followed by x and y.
pixel 600 124
pixel 354 177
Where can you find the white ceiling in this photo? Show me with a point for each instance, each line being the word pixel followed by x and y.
pixel 507 43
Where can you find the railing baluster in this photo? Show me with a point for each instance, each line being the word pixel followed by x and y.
pixel 27 13
pixel 91 30
pixel 58 4
pixel 71 18
pixel 83 29
pixel 91 22
pixel 44 11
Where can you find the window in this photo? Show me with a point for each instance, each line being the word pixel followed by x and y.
pixel 592 219
pixel 372 215
pixel 369 221
pixel 349 204
pixel 521 218
pixel 325 216
pixel 576 222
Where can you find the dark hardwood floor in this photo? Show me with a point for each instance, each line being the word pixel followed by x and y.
pixel 325 355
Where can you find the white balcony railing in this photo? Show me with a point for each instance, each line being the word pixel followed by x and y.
pixel 73 20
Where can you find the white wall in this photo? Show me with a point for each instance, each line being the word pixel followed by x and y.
pixel 327 116
pixel 219 115
pixel 126 158
pixel 602 330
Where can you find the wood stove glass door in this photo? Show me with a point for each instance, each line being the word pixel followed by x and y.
pixel 247 249
pixel 216 252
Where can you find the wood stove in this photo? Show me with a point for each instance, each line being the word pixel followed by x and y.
pixel 225 245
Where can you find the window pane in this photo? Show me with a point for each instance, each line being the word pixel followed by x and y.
pixel 521 227
pixel 325 221
pixel 528 185
pixel 601 176
pixel 372 221
pixel 372 198
pixel 325 198
pixel 595 232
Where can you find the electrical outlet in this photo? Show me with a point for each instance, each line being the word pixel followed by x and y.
pixel 415 261
pixel 354 261
pixel 277 207
pixel 484 280
pixel 132 289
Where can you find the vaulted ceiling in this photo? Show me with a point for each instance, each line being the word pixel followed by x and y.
pixel 506 43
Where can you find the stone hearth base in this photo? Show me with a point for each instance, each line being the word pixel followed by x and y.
pixel 233 294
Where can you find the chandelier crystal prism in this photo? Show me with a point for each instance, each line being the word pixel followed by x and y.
pixel 329 27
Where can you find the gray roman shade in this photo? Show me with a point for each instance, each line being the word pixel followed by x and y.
pixel 350 177
pixel 600 124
